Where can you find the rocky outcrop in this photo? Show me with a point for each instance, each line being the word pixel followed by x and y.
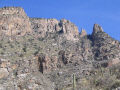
pixel 69 29
pixel 14 22
pixel 105 48
pixel 83 33
pixel 44 26
pixel 97 28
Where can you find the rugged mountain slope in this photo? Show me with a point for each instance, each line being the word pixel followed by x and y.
pixel 105 48
pixel 43 54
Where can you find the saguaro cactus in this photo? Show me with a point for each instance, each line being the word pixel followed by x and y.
pixel 74 82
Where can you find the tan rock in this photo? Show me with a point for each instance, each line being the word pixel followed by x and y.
pixel 14 21
pixel 69 29
pixel 4 64
pixel 14 67
pixel 44 26
pixel 113 62
pixel 3 72
pixel 83 33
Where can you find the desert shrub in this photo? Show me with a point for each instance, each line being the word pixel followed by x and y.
pixel 115 85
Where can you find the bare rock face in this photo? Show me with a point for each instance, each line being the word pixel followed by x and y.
pixel 69 29
pixel 44 26
pixel 14 22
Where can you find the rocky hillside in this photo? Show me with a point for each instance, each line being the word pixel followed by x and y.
pixel 44 54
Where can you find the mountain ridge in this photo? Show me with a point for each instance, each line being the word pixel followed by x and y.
pixel 43 54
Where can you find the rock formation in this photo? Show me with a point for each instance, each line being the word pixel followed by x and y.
pixel 97 29
pixel 45 53
pixel 83 33
pixel 45 26
pixel 14 22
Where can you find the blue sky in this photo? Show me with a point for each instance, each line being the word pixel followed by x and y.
pixel 83 13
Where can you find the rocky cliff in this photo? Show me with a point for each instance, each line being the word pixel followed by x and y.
pixel 14 22
pixel 43 54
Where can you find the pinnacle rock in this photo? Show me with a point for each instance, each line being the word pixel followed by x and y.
pixel 83 33
pixel 97 28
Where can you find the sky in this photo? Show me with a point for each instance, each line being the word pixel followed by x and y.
pixel 83 13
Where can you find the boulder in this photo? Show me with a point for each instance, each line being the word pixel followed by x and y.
pixel 3 72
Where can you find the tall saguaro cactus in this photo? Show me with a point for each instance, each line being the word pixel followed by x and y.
pixel 74 82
